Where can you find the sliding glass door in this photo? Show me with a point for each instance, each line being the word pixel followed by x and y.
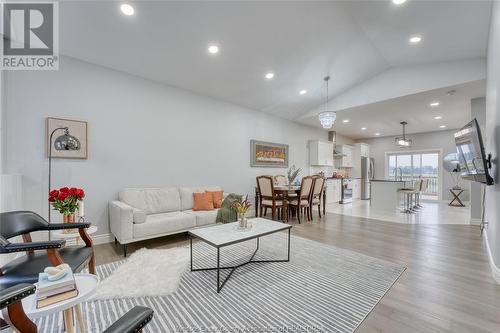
pixel 416 165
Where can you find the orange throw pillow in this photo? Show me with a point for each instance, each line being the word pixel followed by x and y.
pixel 202 201
pixel 217 198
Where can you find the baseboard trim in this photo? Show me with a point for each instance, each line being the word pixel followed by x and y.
pixel 495 272
pixel 96 239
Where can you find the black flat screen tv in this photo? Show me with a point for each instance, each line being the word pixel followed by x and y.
pixel 473 161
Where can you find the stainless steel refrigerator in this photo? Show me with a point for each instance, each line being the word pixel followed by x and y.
pixel 367 174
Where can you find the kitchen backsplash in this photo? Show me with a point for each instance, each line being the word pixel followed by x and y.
pixel 329 171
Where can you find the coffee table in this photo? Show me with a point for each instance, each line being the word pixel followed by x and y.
pixel 223 235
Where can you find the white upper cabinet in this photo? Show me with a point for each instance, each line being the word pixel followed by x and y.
pixel 364 149
pixel 321 153
pixel 344 161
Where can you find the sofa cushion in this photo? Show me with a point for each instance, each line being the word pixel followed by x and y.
pixel 152 200
pixel 203 201
pixel 203 217
pixel 217 197
pixel 163 223
pixel 139 216
pixel 186 194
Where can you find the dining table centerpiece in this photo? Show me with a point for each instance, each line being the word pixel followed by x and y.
pixel 66 201
pixel 292 174
pixel 241 206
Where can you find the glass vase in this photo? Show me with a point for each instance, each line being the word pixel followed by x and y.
pixel 69 218
pixel 243 222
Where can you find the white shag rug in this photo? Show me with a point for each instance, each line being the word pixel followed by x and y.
pixel 147 272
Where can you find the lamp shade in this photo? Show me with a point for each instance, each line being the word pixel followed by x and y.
pixel 67 142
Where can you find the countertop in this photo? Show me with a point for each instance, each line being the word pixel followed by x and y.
pixel 389 180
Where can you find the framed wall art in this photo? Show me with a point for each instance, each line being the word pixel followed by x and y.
pixel 268 154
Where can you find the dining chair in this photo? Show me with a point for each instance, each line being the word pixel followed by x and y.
pixel 280 180
pixel 303 199
pixel 268 198
pixel 39 255
pixel 316 193
pixel 11 306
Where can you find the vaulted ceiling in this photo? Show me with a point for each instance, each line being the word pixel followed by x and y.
pixel 300 42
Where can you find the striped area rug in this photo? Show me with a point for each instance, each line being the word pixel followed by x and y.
pixel 322 289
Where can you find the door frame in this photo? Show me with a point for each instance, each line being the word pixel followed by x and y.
pixel 419 151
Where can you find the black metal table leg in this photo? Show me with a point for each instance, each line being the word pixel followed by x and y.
pixel 219 267
pixel 218 270
pixel 288 258
pixel 191 251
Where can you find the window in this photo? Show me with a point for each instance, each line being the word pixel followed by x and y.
pixel 416 165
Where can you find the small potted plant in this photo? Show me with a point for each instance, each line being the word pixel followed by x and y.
pixel 241 206
pixel 292 175
pixel 65 200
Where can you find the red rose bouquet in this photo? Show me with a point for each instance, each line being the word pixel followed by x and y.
pixel 65 200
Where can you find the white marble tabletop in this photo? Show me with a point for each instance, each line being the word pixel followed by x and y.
pixel 227 234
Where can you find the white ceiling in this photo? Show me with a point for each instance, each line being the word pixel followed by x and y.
pixel 166 41
pixel 384 117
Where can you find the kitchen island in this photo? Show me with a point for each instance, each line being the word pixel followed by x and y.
pixel 385 193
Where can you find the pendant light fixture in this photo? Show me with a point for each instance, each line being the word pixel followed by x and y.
pixel 402 141
pixel 327 118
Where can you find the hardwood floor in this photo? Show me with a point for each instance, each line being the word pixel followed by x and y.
pixel 447 286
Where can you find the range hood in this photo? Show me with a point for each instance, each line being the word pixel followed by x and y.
pixel 332 136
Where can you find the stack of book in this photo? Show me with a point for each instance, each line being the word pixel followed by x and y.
pixel 50 292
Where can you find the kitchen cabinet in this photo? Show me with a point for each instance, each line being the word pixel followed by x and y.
pixel 364 149
pixel 333 190
pixel 356 188
pixel 345 160
pixel 321 153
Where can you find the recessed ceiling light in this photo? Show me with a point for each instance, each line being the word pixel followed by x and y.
pixel 303 92
pixel 415 39
pixel 442 126
pixel 213 49
pixel 398 2
pixel 345 121
pixel 434 104
pixel 377 134
pixel 438 117
pixel 363 128
pixel 127 9
pixel 269 75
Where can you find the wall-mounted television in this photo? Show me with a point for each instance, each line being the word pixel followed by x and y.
pixel 474 164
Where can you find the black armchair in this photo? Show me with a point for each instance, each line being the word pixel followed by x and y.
pixel 10 304
pixel 25 269
pixel 12 308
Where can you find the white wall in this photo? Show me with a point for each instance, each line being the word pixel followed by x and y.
pixel 478 111
pixel 141 133
pixel 439 140
pixel 492 139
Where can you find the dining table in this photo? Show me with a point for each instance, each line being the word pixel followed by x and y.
pixel 284 191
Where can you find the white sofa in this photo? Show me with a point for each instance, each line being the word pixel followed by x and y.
pixel 144 213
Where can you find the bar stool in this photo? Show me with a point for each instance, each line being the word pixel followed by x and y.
pixel 408 195
pixel 417 187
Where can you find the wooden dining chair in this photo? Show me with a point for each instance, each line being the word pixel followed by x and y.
pixel 280 180
pixel 303 199
pixel 268 198
pixel 316 193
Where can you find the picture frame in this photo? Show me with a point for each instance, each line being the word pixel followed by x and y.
pixel 268 154
pixel 77 128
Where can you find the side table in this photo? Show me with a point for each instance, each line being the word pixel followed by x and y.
pixel 456 193
pixel 86 285
pixel 59 234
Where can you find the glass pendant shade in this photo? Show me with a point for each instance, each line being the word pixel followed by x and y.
pixel 327 119
pixel 402 141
